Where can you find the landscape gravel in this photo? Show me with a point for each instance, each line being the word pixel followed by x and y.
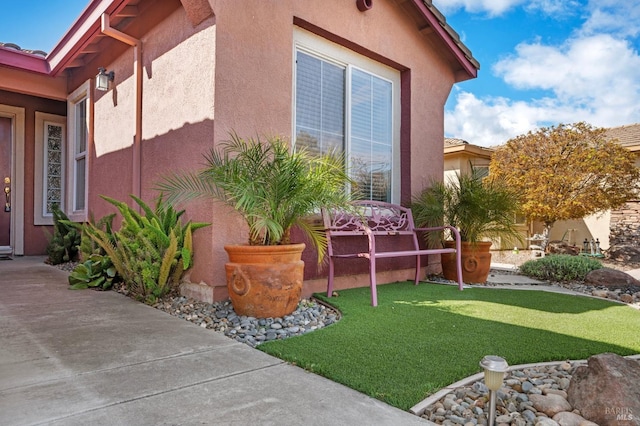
pixel 518 402
pixel 220 316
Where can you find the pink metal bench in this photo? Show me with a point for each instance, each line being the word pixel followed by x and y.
pixel 383 220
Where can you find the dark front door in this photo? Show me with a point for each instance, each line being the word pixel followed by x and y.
pixel 5 182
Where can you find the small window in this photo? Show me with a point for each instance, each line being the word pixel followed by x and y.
pixel 49 166
pixel 481 171
pixel 78 108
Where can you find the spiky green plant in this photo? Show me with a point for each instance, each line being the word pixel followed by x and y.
pixel 64 242
pixel 271 186
pixel 479 208
pixel 151 251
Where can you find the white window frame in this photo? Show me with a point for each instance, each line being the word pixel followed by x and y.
pixel 82 93
pixel 40 184
pixel 311 44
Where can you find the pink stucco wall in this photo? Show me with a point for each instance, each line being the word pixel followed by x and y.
pixel 234 71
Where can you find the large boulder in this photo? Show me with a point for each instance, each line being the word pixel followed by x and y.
pixel 606 391
pixel 610 278
pixel 625 253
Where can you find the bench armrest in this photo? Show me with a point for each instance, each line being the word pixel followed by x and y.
pixel 453 229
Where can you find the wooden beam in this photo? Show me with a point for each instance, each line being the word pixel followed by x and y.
pixel 128 12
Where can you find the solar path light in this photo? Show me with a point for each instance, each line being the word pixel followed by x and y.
pixel 494 369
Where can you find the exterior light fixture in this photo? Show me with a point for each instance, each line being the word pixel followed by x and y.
pixel 494 369
pixel 103 78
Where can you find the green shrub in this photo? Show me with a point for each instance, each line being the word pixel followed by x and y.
pixel 63 244
pixel 88 246
pixel 151 251
pixel 560 267
pixel 95 272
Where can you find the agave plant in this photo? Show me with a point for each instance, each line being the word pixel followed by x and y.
pixel 478 207
pixel 273 187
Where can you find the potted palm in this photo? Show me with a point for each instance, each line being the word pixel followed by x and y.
pixel 275 189
pixel 482 209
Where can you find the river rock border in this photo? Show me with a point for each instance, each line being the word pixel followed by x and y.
pixel 532 394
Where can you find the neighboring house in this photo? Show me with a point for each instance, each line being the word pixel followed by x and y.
pixel 614 229
pixel 369 77
pixel 459 157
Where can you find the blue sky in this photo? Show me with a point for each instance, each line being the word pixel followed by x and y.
pixel 543 62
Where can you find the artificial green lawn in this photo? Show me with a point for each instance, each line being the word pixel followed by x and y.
pixel 421 339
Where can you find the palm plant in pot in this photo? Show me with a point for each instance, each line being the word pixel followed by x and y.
pixel 481 208
pixel 274 188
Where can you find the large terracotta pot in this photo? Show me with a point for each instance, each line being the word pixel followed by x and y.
pixel 476 262
pixel 265 281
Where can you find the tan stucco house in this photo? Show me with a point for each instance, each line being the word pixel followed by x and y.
pixel 371 77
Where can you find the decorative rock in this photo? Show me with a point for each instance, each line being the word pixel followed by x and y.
pixel 544 421
pixel 529 416
pixel 606 391
pixel 503 419
pixel 563 383
pixel 550 404
pixel 625 252
pixel 548 391
pixel 567 418
pixel 527 386
pixel 600 293
pixel 626 298
pixel 610 278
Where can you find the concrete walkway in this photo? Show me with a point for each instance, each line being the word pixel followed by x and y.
pixel 100 358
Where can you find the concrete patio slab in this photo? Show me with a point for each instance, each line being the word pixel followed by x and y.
pixel 100 358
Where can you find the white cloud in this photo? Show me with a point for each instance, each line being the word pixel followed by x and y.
pixel 499 7
pixel 592 69
pixel 619 17
pixel 490 7
pixel 493 121
pixel 557 8
pixel 594 76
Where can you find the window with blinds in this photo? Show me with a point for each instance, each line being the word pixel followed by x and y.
pixel 344 107
pixel 78 108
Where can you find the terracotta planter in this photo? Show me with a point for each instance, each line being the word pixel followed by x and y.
pixel 476 262
pixel 265 281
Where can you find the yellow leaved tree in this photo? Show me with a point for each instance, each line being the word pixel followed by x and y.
pixel 566 172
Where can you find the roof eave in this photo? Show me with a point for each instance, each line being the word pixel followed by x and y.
pixel 469 149
pixel 23 61
pixel 469 65
pixel 81 33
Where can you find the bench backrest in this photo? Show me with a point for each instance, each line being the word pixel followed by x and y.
pixel 380 217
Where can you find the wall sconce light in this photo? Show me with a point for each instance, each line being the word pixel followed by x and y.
pixel 103 78
pixel 494 369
